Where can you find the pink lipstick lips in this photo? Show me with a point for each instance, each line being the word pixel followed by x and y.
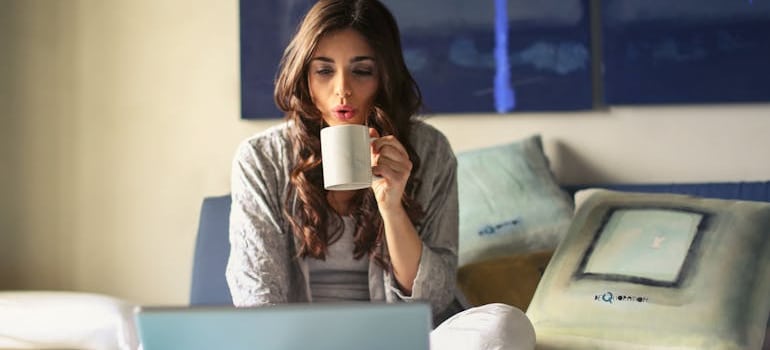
pixel 344 112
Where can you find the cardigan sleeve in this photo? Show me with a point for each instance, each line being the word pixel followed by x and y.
pixel 258 269
pixel 436 273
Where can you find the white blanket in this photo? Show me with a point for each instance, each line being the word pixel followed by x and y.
pixel 65 320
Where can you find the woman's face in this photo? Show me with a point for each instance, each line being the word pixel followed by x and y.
pixel 343 77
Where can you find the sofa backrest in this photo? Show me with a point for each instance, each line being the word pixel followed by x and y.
pixel 212 247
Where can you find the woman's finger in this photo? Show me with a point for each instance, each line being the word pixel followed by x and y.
pixel 389 141
pixel 392 153
pixel 397 168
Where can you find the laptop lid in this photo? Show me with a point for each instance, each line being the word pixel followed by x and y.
pixel 331 326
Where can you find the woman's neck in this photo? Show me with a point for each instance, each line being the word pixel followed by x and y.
pixel 340 201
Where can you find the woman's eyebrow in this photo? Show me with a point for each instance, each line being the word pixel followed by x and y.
pixel 352 60
pixel 322 59
pixel 361 58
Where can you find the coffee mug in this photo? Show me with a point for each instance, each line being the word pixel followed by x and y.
pixel 346 157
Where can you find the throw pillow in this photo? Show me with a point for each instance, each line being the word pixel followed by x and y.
pixel 639 271
pixel 510 280
pixel 509 201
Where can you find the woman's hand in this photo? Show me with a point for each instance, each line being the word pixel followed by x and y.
pixel 392 164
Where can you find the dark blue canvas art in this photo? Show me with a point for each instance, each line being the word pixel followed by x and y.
pixel 266 26
pixel 467 56
pixel 686 51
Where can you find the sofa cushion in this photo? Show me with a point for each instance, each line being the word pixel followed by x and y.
pixel 510 202
pixel 643 270
pixel 510 280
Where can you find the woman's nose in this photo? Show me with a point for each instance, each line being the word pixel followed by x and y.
pixel 342 88
pixel 345 93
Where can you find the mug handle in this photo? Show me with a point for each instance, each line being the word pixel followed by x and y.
pixel 374 177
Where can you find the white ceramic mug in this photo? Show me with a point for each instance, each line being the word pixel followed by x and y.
pixel 346 157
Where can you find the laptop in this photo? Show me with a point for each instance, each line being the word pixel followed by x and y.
pixel 328 326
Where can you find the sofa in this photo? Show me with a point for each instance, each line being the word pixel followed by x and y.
pixel 212 248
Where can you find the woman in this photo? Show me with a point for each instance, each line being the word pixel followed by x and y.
pixel 293 241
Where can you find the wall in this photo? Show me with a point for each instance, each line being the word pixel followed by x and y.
pixel 118 117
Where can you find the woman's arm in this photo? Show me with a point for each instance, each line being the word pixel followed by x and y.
pixel 404 247
pixel 424 258
pixel 393 166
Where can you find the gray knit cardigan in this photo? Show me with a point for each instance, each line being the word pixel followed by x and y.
pixel 263 268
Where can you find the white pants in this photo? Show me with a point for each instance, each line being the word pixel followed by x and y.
pixel 486 327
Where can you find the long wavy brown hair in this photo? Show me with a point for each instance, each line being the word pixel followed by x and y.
pixel 398 99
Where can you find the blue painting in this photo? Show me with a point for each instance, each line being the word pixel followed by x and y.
pixel 467 56
pixel 686 51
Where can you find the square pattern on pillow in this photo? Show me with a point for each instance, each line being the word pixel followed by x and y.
pixel 510 202
pixel 664 271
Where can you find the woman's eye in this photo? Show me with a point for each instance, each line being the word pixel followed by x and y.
pixel 362 72
pixel 324 71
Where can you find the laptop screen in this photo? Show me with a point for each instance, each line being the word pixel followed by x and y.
pixel 325 326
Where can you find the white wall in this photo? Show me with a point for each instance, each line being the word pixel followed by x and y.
pixel 650 144
pixel 118 117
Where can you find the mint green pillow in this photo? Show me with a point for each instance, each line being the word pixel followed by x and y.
pixel 662 271
pixel 510 202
